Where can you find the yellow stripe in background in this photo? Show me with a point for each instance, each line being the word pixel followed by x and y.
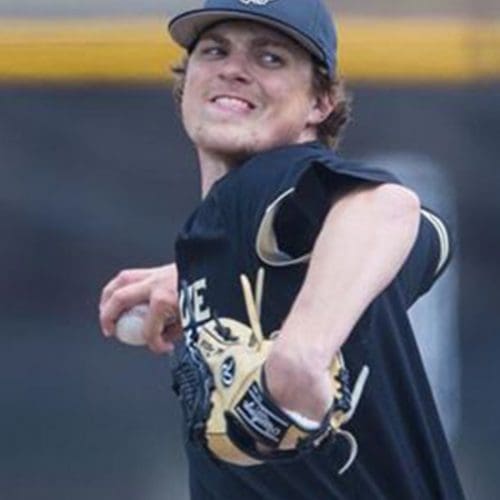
pixel 420 50
pixel 96 50
pixel 372 50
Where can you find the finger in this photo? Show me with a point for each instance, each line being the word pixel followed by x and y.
pixel 160 318
pixel 122 279
pixel 121 300
pixel 172 333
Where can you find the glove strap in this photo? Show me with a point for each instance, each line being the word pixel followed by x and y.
pixel 264 431
pixel 261 417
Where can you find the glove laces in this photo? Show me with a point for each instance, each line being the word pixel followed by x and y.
pixel 355 397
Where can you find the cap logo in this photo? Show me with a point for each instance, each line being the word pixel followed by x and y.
pixel 255 2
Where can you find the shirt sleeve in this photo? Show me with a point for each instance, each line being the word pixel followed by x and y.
pixel 292 222
pixel 428 258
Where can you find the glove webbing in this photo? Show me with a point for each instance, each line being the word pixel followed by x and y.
pixel 193 382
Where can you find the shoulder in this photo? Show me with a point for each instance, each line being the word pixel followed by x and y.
pixel 293 217
pixel 277 170
pixel 263 177
pixel 280 163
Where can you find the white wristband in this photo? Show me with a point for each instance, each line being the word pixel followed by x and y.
pixel 302 421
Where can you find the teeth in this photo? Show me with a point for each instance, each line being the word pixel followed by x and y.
pixel 233 103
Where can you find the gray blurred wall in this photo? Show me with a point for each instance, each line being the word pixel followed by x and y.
pixel 96 179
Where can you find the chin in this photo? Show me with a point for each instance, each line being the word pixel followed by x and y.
pixel 227 142
pixel 239 142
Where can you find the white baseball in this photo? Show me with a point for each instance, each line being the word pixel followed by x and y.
pixel 130 325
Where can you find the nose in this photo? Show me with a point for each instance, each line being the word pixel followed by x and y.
pixel 236 68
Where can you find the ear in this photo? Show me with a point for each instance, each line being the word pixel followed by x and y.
pixel 322 107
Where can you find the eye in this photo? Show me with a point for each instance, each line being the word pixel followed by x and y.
pixel 271 59
pixel 212 51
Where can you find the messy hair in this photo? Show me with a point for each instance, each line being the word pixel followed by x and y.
pixel 330 131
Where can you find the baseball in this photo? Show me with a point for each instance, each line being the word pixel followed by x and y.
pixel 130 325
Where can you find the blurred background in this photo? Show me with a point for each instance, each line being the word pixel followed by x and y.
pixel 96 175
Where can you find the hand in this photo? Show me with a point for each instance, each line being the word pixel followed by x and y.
pixel 156 286
pixel 297 384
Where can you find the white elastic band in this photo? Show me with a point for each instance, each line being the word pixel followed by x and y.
pixel 302 421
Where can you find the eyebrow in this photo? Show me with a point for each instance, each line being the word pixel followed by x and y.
pixel 214 37
pixel 261 41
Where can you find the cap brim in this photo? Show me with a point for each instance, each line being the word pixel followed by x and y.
pixel 186 28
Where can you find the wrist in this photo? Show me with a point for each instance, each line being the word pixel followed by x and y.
pixel 293 350
pixel 297 386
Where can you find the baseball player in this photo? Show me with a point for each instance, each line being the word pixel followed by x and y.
pixel 286 307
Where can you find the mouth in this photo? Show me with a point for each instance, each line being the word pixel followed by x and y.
pixel 233 103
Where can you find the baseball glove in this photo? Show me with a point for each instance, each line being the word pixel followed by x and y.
pixel 220 381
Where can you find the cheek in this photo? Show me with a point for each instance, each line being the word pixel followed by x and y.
pixel 194 83
pixel 292 93
pixel 291 108
pixel 190 102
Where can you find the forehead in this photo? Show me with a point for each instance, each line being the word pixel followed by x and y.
pixel 251 32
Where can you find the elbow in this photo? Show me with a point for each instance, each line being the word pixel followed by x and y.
pixel 389 206
pixel 393 209
pixel 396 203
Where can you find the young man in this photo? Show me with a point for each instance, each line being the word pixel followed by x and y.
pixel 345 248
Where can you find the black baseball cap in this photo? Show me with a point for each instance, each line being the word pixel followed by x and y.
pixel 308 22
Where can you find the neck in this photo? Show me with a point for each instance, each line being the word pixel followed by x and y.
pixel 213 167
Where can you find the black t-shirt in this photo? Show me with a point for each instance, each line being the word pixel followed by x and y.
pixel 268 213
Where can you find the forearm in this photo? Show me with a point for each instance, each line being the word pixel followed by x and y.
pixel 364 241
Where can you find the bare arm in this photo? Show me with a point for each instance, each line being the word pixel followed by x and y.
pixel 364 242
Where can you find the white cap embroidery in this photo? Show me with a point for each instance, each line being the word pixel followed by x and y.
pixel 255 2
